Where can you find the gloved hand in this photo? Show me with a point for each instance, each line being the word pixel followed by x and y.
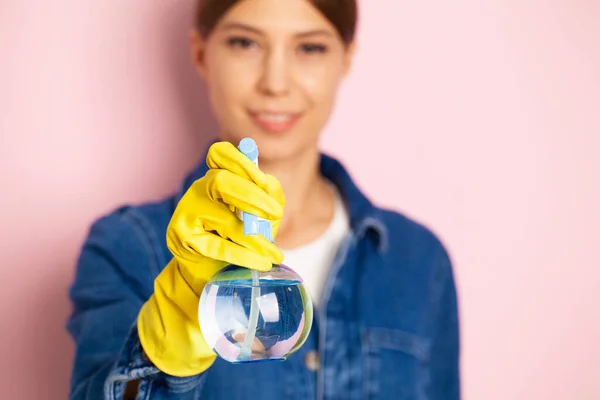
pixel 204 235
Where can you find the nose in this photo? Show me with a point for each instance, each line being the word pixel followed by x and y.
pixel 275 78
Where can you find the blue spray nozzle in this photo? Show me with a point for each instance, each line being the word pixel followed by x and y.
pixel 252 224
pixel 248 147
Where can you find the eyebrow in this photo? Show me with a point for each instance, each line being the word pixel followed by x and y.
pixel 249 28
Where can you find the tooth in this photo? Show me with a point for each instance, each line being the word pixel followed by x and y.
pixel 278 118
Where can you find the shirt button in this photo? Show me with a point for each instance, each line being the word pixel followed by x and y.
pixel 311 360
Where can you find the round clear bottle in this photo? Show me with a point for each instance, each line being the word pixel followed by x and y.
pixel 250 316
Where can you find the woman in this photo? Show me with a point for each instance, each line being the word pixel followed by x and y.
pixel 386 323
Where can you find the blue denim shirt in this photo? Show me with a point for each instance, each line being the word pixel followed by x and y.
pixel 387 329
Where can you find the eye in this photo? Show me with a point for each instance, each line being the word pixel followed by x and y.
pixel 313 48
pixel 241 42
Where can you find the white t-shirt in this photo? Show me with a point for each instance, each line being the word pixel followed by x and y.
pixel 313 261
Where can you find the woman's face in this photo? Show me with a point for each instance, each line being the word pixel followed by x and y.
pixel 272 69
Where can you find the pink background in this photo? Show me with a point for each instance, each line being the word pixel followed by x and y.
pixel 481 119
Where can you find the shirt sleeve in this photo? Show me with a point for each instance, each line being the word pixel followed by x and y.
pixel 112 280
pixel 445 349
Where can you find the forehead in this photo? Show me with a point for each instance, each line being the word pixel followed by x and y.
pixel 277 16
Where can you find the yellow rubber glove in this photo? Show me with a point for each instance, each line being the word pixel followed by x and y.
pixel 204 235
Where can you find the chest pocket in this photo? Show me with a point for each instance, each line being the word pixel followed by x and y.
pixel 395 365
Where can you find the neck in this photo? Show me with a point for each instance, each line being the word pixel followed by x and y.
pixel 309 201
pixel 301 180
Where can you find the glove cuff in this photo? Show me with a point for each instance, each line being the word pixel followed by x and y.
pixel 168 327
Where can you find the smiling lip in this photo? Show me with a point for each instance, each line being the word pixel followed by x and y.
pixel 275 122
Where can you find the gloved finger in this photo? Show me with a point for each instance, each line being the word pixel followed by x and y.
pixel 186 234
pixel 228 226
pixel 213 246
pixel 224 155
pixel 223 186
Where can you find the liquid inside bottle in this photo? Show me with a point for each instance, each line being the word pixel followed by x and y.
pixel 245 319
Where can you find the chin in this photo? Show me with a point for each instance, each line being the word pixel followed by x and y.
pixel 275 151
pixel 275 148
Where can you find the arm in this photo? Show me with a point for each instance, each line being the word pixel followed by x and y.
pixel 119 308
pixel 113 279
pixel 445 369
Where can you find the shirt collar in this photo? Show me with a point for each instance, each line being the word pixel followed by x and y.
pixel 366 220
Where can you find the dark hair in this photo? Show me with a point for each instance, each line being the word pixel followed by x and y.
pixel 341 13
